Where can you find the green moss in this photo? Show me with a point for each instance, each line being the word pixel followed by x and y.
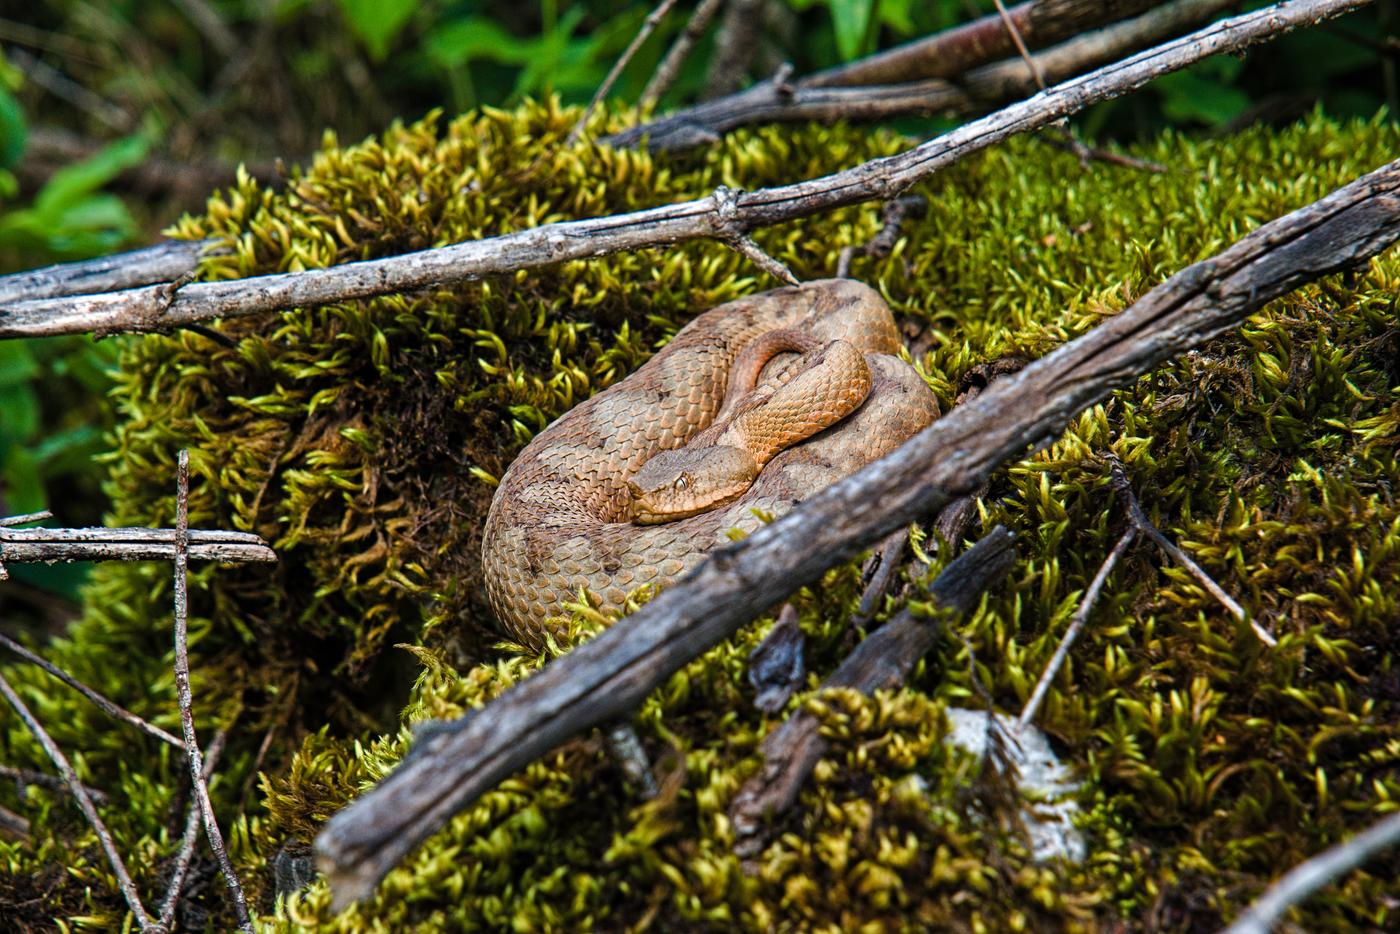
pixel 363 440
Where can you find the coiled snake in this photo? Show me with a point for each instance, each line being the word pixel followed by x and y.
pixel 561 520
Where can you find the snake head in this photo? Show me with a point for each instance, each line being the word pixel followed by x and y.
pixel 688 481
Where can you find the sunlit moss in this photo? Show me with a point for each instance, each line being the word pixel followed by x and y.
pixel 364 440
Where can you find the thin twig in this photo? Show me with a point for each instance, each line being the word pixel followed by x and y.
pixel 892 218
pixel 1081 615
pixel 163 262
pixel 65 88
pixel 882 567
pixel 1020 44
pixel 670 67
pixel 883 661
pixel 13 823
pixel 1139 518
pixel 75 787
pixel 182 689
pixel 10 522
pixel 1011 419
pixel 189 838
pixel 45 780
pixel 648 27
pixel 748 248
pixel 114 710
pixel 548 244
pixel 22 546
pixel 1304 879
pixel 976 89
pixel 1098 154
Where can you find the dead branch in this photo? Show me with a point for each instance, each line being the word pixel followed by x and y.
pixel 45 780
pixel 1012 417
pixel 778 665
pixel 164 262
pixel 75 787
pixel 30 546
pixel 112 709
pixel 189 838
pixel 10 522
pixel 1144 525
pixel 193 756
pixel 954 51
pixel 883 661
pixel 980 88
pixel 1326 867
pixel 154 308
pixel 670 66
pixel 892 217
pixel 649 25
pixel 1081 616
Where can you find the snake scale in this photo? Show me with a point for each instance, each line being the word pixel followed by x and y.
pixel 560 520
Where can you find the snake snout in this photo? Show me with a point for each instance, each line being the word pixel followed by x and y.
pixel 681 483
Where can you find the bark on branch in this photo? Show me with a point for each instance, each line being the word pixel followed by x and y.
pixel 612 674
pixel 30 546
pixel 883 661
pixel 724 215
pixel 979 88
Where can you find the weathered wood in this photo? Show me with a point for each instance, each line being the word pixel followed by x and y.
pixel 29 546
pixel 724 215
pixel 954 51
pixel 1012 417
pixel 977 89
pixel 164 262
pixel 884 660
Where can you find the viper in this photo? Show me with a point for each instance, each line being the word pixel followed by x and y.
pixel 750 408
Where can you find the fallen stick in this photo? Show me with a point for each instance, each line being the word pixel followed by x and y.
pixel 1014 416
pixel 979 88
pixel 29 546
pixel 725 215
pixel 163 262
pixel 883 660
pixel 75 787
pixel 193 755
pixel 954 51
pixel 103 703
pixel 1304 879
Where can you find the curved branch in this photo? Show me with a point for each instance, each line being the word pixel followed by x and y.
pixel 163 306
pixel 613 673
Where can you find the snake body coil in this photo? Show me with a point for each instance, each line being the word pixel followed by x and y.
pixel 560 520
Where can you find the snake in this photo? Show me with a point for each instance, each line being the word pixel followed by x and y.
pixel 750 408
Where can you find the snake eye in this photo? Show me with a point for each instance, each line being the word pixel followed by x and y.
pixel 682 482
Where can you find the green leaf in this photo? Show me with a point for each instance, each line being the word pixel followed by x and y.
pixel 460 41
pixel 17 366
pixel 851 19
pixel 13 132
pixel 377 22
pixel 1188 97
pixel 73 183
pixel 21 412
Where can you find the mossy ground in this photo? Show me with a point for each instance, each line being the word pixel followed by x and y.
pixel 362 439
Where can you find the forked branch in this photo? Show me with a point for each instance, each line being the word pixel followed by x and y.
pixel 1022 413
pixel 723 217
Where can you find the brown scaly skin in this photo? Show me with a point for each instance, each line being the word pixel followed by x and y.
pixel 559 522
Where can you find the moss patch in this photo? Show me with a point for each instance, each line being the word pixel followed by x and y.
pixel 363 439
